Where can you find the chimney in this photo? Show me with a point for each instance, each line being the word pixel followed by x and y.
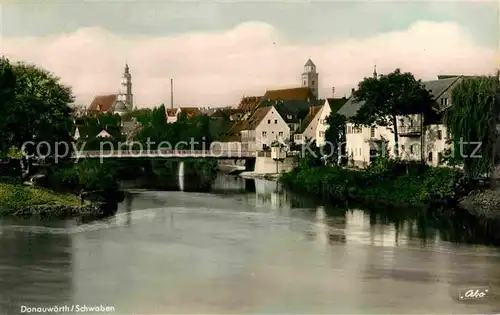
pixel 171 93
pixel 333 91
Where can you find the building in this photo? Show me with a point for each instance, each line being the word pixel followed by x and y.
pixel 310 78
pixel 263 128
pixel 173 114
pixel 120 103
pixel 314 126
pixel 249 103
pixel 415 141
pixel 290 104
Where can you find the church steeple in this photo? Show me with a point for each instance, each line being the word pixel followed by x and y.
pixel 310 78
pixel 126 89
pixel 375 75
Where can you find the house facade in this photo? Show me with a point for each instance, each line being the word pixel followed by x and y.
pixel 415 141
pixel 315 124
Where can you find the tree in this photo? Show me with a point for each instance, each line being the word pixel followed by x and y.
pixel 335 135
pixel 7 93
pixel 386 97
pixel 472 122
pixel 40 110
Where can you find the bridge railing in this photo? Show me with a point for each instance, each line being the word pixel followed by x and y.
pixel 160 153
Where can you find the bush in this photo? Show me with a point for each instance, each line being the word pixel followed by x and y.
pixel 88 175
pixel 385 181
pixel 444 185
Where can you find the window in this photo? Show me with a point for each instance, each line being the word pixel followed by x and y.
pixel 305 82
pixel 289 116
pixel 413 149
pixel 440 157
pixel 275 121
pixel 372 132
pixel 269 121
pixel 264 134
pixel 439 135
pixel 280 133
pixel 411 122
pixel 312 83
pixel 429 158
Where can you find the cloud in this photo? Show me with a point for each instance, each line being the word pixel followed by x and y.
pixel 212 69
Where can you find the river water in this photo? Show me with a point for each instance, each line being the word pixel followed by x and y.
pixel 246 247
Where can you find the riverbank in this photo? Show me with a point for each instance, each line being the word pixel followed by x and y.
pixel 391 183
pixel 20 200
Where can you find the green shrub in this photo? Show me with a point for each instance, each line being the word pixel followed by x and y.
pixel 385 181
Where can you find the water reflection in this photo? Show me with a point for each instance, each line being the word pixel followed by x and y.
pixel 237 251
pixel 35 268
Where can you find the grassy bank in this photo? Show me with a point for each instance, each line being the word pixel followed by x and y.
pixel 385 182
pixel 17 196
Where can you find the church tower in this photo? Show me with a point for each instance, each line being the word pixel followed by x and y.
pixel 310 78
pixel 126 89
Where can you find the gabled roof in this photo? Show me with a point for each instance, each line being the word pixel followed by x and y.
pixel 435 87
pixel 336 103
pixel 104 101
pixel 309 63
pixel 249 124
pixel 446 76
pixel 171 112
pixel 293 94
pixel 292 111
pixel 191 111
pixel 254 120
pixel 104 134
pixel 438 87
pixel 313 111
pixel 249 103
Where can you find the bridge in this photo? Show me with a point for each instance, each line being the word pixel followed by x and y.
pixel 222 154
pixel 226 154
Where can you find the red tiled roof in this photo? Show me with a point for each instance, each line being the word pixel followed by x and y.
pixel 249 103
pixel 102 103
pixel 191 111
pixel 293 94
pixel 249 124
pixel 171 111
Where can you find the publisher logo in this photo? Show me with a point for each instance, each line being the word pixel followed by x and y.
pixel 474 293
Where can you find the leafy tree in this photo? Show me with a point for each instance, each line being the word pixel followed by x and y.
pixel 473 120
pixel 335 135
pixel 141 115
pixel 40 110
pixel 388 96
pixel 7 93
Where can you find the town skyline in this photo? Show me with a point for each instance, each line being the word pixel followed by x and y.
pixel 216 58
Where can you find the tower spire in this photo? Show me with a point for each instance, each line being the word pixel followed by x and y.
pixel 375 71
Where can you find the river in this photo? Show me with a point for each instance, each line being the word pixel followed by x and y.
pixel 248 246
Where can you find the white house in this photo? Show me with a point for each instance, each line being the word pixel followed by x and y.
pixel 77 136
pixel 104 134
pixel 259 131
pixel 415 142
pixel 314 126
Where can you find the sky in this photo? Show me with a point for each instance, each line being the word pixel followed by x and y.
pixel 219 51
